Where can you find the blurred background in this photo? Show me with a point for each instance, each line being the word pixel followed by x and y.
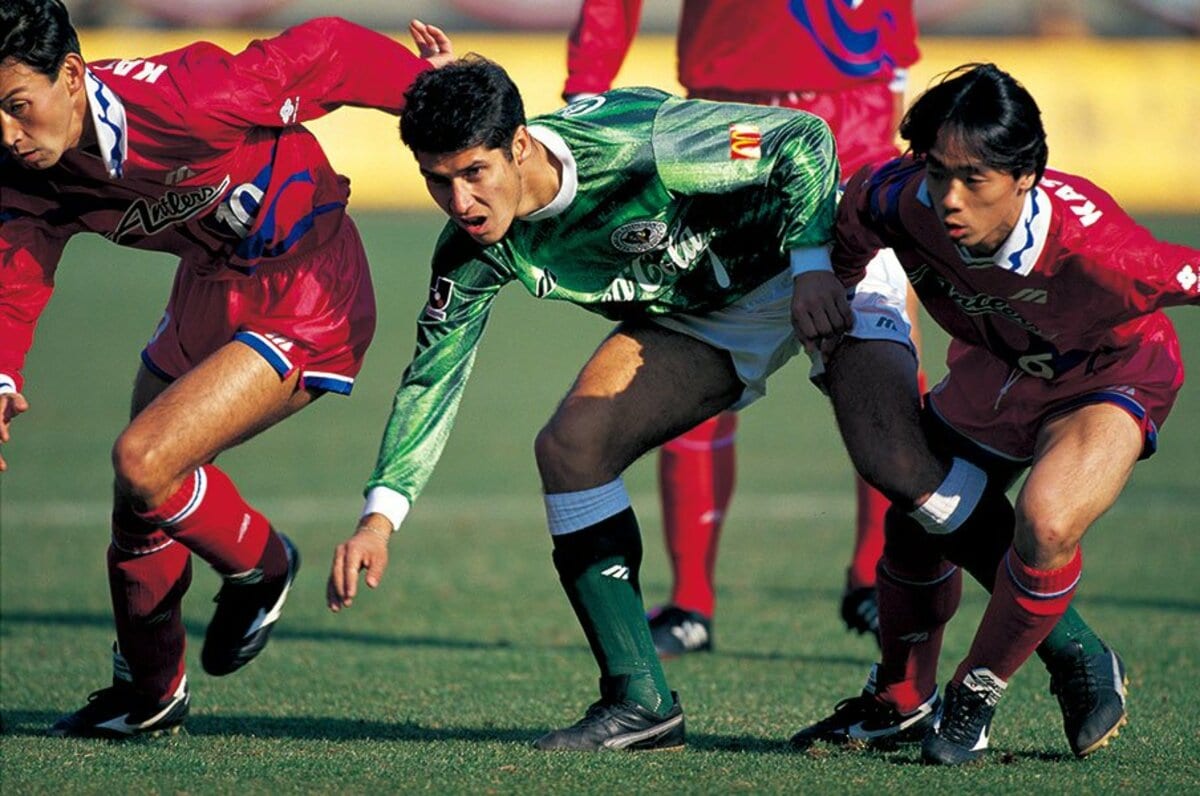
pixel 1116 79
pixel 938 17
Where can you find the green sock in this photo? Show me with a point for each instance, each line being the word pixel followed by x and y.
pixel 1070 628
pixel 598 567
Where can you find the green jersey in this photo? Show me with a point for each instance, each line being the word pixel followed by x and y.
pixel 666 206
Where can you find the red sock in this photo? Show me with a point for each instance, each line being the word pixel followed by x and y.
pixel 148 574
pixel 1025 605
pixel 210 518
pixel 868 535
pixel 696 474
pixel 914 608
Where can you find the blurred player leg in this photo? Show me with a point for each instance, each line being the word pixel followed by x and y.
pixel 696 473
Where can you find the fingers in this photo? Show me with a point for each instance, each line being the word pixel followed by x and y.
pixel 343 578
pixel 11 405
pixel 822 327
pixel 367 549
pixel 440 38
pixel 430 40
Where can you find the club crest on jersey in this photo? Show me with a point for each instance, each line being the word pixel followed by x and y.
pixel 290 110
pixel 172 207
pixel 638 236
pixel 745 142
pixel 439 298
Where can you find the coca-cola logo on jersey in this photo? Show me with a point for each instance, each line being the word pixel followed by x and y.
pixel 173 207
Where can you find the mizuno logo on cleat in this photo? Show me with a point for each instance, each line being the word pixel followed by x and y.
pixel 690 634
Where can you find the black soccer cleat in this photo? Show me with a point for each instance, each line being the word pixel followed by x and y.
pixel 677 631
pixel 960 731
pixel 121 712
pixel 865 720
pixel 247 610
pixel 1091 692
pixel 860 610
pixel 618 723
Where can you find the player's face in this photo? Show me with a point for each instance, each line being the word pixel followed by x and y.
pixel 978 206
pixel 40 118
pixel 479 188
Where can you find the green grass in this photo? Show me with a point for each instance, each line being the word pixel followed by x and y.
pixel 439 680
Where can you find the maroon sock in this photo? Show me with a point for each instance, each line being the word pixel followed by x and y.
pixel 914 608
pixel 1026 603
pixel 148 574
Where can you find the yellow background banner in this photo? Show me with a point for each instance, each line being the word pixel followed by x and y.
pixel 1123 113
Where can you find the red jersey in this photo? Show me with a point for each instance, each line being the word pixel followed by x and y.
pixel 759 46
pixel 1077 286
pixel 200 154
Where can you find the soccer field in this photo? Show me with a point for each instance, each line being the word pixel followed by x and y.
pixel 440 679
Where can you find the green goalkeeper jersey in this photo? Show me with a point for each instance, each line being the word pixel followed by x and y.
pixel 666 206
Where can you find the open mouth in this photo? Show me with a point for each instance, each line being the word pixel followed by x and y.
pixel 472 225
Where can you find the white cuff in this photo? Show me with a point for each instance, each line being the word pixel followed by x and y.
pixel 811 259
pixel 7 384
pixel 388 502
pixel 899 83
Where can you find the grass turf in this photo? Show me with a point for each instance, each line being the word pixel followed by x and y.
pixel 439 680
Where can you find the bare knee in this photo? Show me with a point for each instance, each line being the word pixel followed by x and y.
pixel 141 474
pixel 1046 537
pixel 570 457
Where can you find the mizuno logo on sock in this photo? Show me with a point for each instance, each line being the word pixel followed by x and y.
pixel 618 571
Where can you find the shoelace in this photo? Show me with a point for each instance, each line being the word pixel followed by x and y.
pixel 963 717
pixel 1075 682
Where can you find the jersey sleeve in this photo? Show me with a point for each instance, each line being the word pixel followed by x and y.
pixel 715 148
pixel 299 75
pixel 29 255
pixel 599 43
pixel 427 400
pixel 867 217
pixel 1133 272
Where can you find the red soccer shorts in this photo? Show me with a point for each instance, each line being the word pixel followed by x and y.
pixel 313 312
pixel 1002 408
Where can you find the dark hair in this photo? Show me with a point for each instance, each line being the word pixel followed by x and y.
pixel 986 110
pixel 37 33
pixel 468 103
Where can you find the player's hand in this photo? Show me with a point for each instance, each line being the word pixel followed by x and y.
pixel 820 311
pixel 366 549
pixel 11 405
pixel 432 43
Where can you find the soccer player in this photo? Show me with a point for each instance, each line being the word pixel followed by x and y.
pixel 846 65
pixel 1061 364
pixel 682 220
pixel 200 154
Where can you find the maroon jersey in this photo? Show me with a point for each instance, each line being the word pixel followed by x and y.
pixel 201 154
pixel 1076 288
pixel 759 46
